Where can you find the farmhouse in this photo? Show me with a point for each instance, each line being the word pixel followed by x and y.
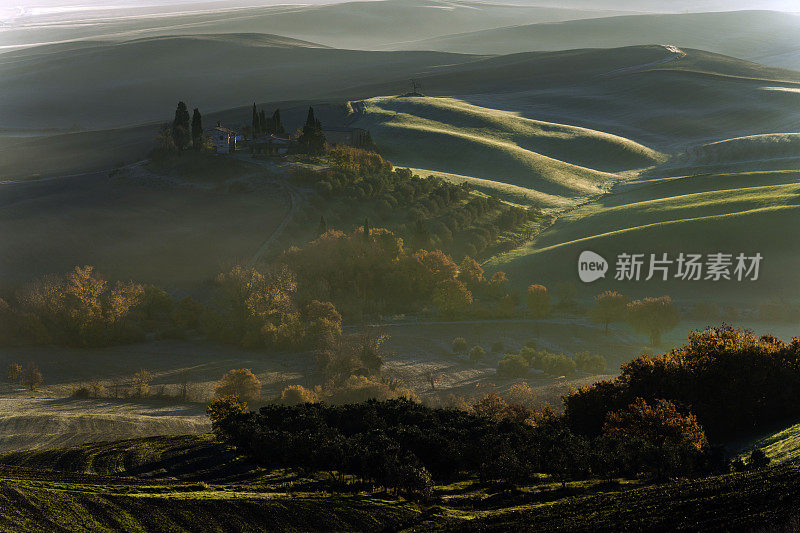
pixel 357 137
pixel 223 140
pixel 271 145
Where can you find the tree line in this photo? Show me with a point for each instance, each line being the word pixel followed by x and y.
pixel 664 416
pixel 427 212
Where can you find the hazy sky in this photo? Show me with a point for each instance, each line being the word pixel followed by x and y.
pixel 50 10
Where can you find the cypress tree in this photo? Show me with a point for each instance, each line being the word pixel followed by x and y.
pixel 276 122
pixel 180 126
pixel 323 226
pixel 366 228
pixel 197 129
pixel 312 139
pixel 262 119
pixel 256 126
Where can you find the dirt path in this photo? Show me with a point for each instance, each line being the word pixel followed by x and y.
pixel 295 197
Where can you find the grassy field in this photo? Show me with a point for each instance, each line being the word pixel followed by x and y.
pixel 450 135
pixel 694 214
pixel 177 484
pixel 647 94
pixel 176 230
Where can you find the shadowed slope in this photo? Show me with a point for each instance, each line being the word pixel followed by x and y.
pixel 768 37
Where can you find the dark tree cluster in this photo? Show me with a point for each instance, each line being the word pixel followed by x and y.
pixel 406 446
pixel 371 271
pixel 737 384
pixel 264 125
pixel 311 140
pixel 427 212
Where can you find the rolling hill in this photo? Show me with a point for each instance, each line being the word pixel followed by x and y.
pixel 649 94
pixel 107 84
pixel 767 37
pixel 448 135
pixel 143 485
pixel 730 213
pixel 358 25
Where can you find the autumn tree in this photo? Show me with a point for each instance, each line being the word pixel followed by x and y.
pixel 324 323
pixel 140 383
pixel 241 383
pixel 13 372
pixel 32 376
pixel 452 298
pixel 296 394
pixel 609 306
pixel 221 409
pixel 538 301
pixel 470 273
pixel 653 317
pixel 657 422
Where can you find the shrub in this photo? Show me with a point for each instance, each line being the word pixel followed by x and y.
pixel 653 317
pixel 522 394
pixel 294 394
pixel 81 392
pixel 513 366
pixel 140 384
pixel 459 345
pixel 558 364
pixel 590 363
pixel 476 354
pixel 241 383
pixel 14 372
pixel 31 377
pixel 609 307
pixel 362 388
pixel 658 422
pixel 757 459
pixel 538 301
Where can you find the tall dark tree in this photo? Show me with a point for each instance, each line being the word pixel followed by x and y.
pixel 180 127
pixel 256 121
pixel 262 119
pixel 323 226
pixel 197 129
pixel 277 125
pixel 366 228
pixel 312 140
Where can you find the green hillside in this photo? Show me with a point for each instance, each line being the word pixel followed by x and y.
pixel 695 214
pixel 450 135
pixel 136 496
pixel 649 94
pixel 359 24
pixel 768 37
pixel 108 84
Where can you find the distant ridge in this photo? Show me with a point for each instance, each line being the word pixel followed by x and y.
pixel 768 37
